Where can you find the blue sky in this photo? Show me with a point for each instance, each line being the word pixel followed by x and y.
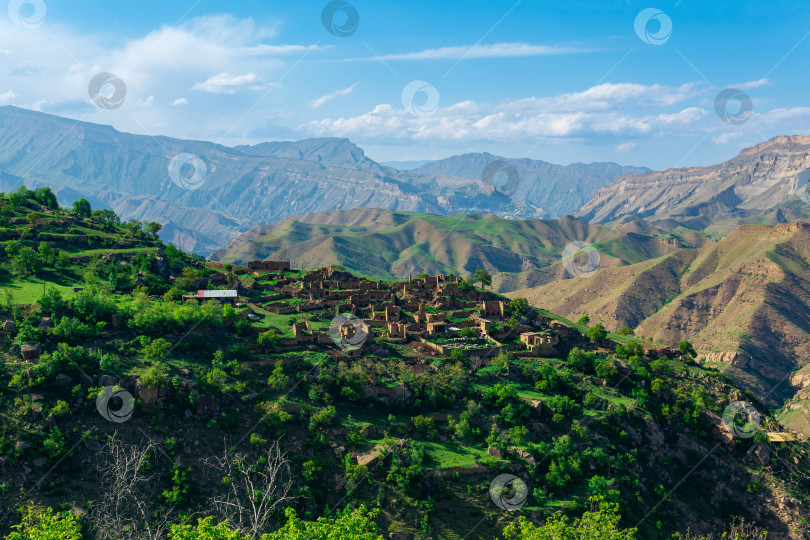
pixel 559 81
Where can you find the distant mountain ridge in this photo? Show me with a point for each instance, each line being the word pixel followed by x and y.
pixel 764 183
pixel 264 183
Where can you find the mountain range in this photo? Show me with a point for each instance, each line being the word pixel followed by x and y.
pixel 266 183
pixel 766 183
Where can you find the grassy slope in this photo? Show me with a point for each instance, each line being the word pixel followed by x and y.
pixel 748 293
pixel 388 244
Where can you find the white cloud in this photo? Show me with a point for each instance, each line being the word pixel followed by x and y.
pixel 225 83
pixel 495 50
pixel 7 97
pixel 179 101
pixel 751 84
pixel 147 102
pixel 625 147
pixel 321 101
pixel 606 109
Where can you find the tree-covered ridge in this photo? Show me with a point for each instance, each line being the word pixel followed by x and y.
pixel 243 425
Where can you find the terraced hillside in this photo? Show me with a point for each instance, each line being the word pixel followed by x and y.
pixel 391 407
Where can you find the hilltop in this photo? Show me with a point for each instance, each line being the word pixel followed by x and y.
pixel 172 379
pixel 394 244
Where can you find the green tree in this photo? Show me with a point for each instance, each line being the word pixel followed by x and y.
pixel 82 208
pixel 52 301
pixel 152 229
pixel 686 349
pixel 601 522
pixel 268 339
pixel 46 198
pixel 157 349
pixel 38 524
pixel 277 380
pixel 596 333
pixel 483 277
pixel 584 320
pixel 519 306
pixel 204 530
pixel 32 217
pixel 356 524
pixel 26 263
pixel 106 218
pixel 626 331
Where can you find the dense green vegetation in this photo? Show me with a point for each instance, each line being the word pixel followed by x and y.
pixel 237 434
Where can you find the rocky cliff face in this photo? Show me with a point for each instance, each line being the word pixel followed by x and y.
pixel 761 178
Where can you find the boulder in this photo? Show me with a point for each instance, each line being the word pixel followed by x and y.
pixel 147 394
pixel 31 352
pixel 494 452
pixel 10 327
pixel 207 405
pixel 45 323
pixel 761 452
pixel 537 405
pixel 369 458
pixel 527 457
pixel 622 367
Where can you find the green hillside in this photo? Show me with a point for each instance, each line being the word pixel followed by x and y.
pixel 325 405
pixel 391 244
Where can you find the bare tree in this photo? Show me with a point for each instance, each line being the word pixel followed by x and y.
pixel 123 512
pixel 740 530
pixel 254 492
